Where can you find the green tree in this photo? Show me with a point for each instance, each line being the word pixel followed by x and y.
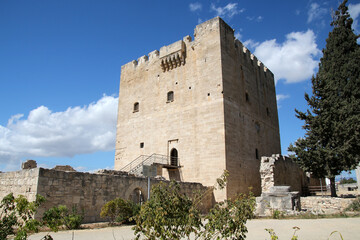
pixel 17 216
pixel 58 216
pixel 331 143
pixel 169 214
pixel 119 210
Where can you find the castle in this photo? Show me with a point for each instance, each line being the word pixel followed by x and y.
pixel 203 105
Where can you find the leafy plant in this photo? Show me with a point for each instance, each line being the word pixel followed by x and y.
pixel 227 219
pixel 119 210
pixel 277 214
pixel 17 216
pixel 58 216
pixel 354 205
pixel 347 180
pixel 169 214
pixel 273 235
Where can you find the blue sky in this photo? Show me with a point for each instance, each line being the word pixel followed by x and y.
pixel 60 66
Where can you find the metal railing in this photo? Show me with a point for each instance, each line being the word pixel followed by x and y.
pixel 136 166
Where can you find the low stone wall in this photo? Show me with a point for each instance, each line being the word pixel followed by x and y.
pixel 87 191
pixel 324 205
pixel 20 182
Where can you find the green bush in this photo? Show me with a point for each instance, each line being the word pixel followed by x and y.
pixel 354 206
pixel 169 214
pixel 277 214
pixel 17 216
pixel 60 215
pixel 347 180
pixel 119 210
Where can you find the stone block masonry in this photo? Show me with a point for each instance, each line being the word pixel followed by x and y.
pixel 207 99
pixel 279 170
pixel 324 205
pixel 87 191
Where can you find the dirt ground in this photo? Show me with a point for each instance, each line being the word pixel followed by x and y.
pixel 309 229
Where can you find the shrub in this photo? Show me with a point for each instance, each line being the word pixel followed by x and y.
pixel 119 210
pixel 167 215
pixel 60 215
pixel 354 206
pixel 170 214
pixel 347 180
pixel 16 216
pixel 277 214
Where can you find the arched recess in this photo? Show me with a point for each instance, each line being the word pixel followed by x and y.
pixel 137 196
pixel 174 157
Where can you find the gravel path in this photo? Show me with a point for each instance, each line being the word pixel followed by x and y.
pixel 309 229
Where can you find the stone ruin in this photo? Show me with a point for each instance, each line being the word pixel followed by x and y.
pixel 282 182
pixel 29 164
pixel 65 168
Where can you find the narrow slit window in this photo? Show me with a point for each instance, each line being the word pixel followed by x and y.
pixel 142 145
pixel 136 107
pixel 247 97
pixel 170 96
pixel 257 153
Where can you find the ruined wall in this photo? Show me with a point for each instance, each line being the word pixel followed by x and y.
pixel 279 170
pixel 324 205
pixel 19 183
pixel 86 191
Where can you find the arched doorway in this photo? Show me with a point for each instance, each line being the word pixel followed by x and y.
pixel 174 157
pixel 137 196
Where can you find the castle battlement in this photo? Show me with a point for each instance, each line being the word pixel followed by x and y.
pixel 174 55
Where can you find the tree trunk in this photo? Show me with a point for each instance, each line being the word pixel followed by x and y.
pixel 332 187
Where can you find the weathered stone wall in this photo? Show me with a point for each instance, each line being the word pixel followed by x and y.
pixel 19 183
pixel 223 116
pixel 279 170
pixel 324 205
pixel 250 112
pixel 86 191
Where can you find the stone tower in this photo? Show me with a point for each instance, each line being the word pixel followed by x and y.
pixel 208 104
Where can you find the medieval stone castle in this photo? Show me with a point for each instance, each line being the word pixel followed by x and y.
pixel 205 104
pixel 187 112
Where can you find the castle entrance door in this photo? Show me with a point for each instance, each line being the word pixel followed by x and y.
pixel 174 157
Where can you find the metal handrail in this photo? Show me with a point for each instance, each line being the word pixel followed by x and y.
pixel 136 166
pixel 134 163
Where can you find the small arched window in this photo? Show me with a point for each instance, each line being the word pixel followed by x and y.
pixel 136 107
pixel 170 96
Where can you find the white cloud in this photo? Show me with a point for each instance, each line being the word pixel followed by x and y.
pixel 293 60
pixel 354 10
pixel 280 97
pixel 195 6
pixel 250 44
pixel 77 130
pixel 229 10
pixel 315 12
pixel 257 19
pixel 238 36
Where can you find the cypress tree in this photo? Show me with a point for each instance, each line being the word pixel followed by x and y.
pixel 331 143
